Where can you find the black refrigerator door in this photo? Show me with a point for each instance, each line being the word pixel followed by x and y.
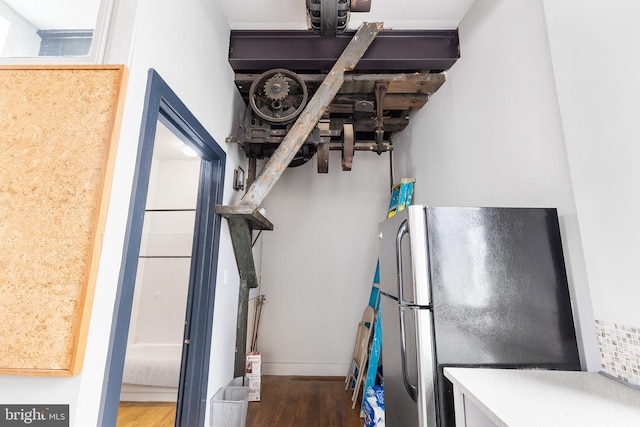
pixel 499 291
pixel 499 288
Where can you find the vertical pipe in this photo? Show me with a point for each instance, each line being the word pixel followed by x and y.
pixel 391 169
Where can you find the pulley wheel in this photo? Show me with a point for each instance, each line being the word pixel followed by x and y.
pixel 278 95
pixel 348 142
pixel 328 17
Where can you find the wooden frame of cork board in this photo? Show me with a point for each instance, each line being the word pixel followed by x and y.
pixel 59 127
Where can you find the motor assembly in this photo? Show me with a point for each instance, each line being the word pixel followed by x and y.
pixel 330 17
pixel 353 122
pixel 375 100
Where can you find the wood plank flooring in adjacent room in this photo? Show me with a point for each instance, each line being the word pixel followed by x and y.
pixel 146 414
pixel 293 401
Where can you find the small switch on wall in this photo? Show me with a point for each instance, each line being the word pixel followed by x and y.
pixel 238 179
pixel 225 277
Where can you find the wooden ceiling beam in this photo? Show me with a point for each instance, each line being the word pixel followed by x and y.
pixel 423 82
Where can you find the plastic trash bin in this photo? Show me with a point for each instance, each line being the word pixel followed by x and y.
pixel 229 407
pixel 237 381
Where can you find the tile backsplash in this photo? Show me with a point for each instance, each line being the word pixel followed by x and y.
pixel 619 350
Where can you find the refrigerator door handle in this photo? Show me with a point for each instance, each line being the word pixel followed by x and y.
pixel 411 388
pixel 404 229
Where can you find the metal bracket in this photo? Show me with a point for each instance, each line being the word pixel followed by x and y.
pixel 381 91
pixel 238 179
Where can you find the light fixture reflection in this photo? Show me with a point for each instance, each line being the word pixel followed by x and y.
pixel 189 152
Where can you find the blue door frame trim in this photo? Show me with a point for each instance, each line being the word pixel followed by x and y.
pixel 162 104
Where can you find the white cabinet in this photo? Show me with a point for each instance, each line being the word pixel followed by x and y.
pixel 538 398
pixel 468 414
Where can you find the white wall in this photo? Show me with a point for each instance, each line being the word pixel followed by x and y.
pixel 187 43
pixel 20 37
pixel 594 47
pixel 492 135
pixel 319 263
pixel 175 184
pixel 160 297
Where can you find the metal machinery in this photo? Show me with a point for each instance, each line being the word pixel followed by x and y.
pixel 278 72
pixel 330 17
pixel 360 118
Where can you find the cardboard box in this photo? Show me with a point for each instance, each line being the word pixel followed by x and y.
pixel 253 374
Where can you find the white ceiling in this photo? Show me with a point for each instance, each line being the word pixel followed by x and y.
pixel 291 14
pixel 260 14
pixel 168 146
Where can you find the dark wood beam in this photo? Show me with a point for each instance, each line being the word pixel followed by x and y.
pixel 422 82
pixel 241 240
pixel 247 213
pixel 240 356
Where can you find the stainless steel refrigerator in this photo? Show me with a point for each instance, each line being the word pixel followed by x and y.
pixel 468 287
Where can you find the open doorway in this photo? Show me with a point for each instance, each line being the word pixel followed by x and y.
pixel 156 332
pixel 163 106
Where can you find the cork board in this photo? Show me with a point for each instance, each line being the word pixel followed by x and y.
pixel 58 134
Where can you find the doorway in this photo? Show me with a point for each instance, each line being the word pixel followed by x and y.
pixel 156 331
pixel 163 105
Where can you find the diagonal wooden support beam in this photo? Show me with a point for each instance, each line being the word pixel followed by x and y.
pixel 310 116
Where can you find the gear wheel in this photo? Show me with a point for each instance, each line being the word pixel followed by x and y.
pixel 276 88
pixel 278 95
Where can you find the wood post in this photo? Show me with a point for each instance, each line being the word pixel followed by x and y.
pixel 245 216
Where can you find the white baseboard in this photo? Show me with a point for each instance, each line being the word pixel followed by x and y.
pixel 306 369
pixel 139 393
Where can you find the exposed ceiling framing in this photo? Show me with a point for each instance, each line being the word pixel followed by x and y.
pixel 397 75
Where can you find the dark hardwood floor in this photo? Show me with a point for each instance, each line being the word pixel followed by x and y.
pixel 293 401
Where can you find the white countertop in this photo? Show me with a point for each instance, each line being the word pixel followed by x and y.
pixel 511 397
